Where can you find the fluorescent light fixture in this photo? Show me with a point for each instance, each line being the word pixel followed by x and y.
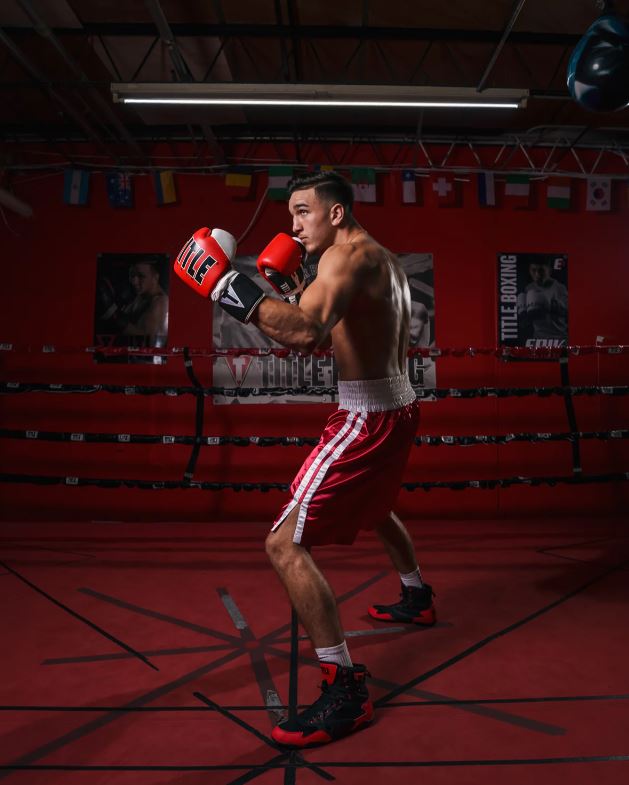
pixel 316 95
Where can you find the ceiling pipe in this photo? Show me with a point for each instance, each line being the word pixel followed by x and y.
pixel 503 40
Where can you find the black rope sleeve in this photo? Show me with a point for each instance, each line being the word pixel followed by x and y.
pixel 198 418
pixel 572 418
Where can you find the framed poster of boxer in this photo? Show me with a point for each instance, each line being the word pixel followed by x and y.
pixel 532 300
pixel 131 304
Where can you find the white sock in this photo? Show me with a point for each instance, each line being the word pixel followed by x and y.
pixel 338 655
pixel 412 578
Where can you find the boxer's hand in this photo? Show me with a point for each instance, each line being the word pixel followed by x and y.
pixel 281 265
pixel 536 304
pixel 204 263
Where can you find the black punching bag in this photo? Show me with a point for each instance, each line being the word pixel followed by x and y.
pixel 598 71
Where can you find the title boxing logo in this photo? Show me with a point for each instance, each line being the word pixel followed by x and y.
pixel 188 258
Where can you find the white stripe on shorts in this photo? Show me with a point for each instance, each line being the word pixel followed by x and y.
pixel 313 469
pixel 323 467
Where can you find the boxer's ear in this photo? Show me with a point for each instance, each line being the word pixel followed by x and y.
pixel 337 214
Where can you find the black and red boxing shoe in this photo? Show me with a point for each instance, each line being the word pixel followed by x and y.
pixel 415 607
pixel 342 708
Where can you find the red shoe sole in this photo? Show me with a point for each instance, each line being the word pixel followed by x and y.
pixel 425 618
pixel 316 739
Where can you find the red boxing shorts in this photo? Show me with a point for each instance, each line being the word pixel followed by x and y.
pixel 351 479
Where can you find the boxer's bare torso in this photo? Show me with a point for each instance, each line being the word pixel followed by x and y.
pixel 359 303
pixel 371 339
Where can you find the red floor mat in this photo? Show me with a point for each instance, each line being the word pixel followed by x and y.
pixel 116 637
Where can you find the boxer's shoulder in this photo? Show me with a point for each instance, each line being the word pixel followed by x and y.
pixel 349 258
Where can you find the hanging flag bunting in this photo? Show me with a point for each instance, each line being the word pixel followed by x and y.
pixel 364 184
pixel 239 179
pixel 518 190
pixel 279 177
pixel 486 189
pixel 409 188
pixel 76 186
pixel 599 194
pixel 119 189
pixel 164 183
pixel 559 193
pixel 443 190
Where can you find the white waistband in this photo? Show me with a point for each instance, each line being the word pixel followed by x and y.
pixel 376 395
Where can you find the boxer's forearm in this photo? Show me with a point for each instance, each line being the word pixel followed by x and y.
pixel 289 325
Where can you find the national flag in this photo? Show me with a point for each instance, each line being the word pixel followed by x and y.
pixel 443 190
pixel 518 190
pixel 238 179
pixel 486 189
pixel 164 183
pixel 409 187
pixel 76 186
pixel 323 168
pixel 279 177
pixel 599 194
pixel 559 193
pixel 119 189
pixel 364 184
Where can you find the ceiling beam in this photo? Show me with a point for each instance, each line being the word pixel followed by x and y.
pixel 186 29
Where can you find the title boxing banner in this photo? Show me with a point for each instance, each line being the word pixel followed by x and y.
pixel 532 300
pixel 310 371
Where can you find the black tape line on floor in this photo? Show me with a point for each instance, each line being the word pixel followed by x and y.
pixel 81 618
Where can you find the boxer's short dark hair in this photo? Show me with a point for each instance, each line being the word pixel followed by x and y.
pixel 329 187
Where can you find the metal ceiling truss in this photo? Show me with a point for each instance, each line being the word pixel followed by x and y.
pixel 104 111
pixel 559 156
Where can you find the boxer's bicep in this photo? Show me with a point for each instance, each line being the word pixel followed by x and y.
pixel 328 297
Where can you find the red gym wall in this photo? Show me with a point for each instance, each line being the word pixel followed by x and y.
pixel 49 271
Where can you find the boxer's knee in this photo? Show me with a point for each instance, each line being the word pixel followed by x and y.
pixel 279 545
pixel 273 547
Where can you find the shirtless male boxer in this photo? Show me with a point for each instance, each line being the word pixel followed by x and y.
pixel 359 304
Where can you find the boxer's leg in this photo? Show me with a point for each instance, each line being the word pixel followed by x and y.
pixel 398 544
pixel 308 590
pixel 415 604
pixel 343 706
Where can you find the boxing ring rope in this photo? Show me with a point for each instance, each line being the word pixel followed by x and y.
pixel 504 352
pixel 199 440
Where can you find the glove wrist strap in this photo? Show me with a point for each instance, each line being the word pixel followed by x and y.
pixel 239 297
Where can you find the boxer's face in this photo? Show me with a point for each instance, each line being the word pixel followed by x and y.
pixel 419 317
pixel 143 278
pixel 539 273
pixel 311 220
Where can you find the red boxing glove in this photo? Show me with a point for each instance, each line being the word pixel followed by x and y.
pixel 205 260
pixel 204 263
pixel 281 265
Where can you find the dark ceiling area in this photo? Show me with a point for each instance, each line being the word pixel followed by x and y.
pixel 60 57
